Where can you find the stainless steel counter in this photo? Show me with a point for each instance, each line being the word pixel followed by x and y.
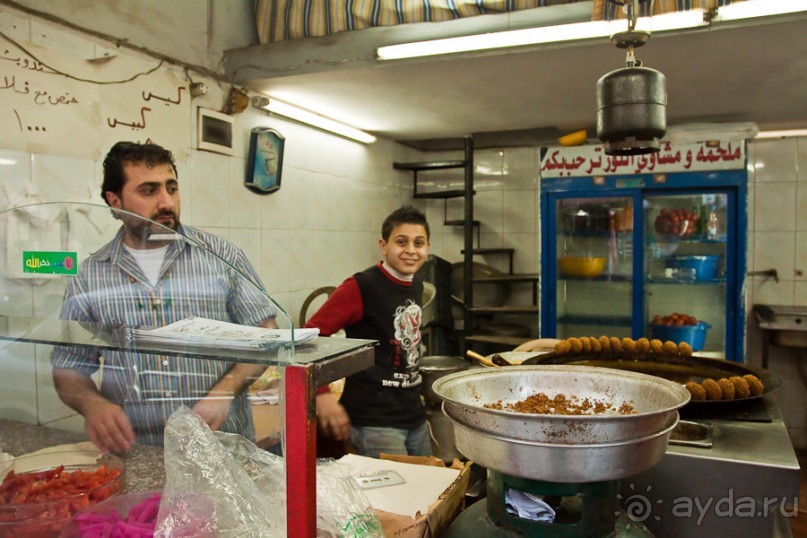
pixel 145 470
pixel 738 487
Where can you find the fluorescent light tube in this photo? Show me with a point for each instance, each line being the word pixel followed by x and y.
pixel 679 20
pixel 496 40
pixel 782 134
pixel 538 36
pixel 758 8
pixel 310 118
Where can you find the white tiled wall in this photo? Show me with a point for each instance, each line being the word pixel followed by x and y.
pixel 777 239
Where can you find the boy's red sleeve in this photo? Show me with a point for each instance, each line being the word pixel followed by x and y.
pixel 342 309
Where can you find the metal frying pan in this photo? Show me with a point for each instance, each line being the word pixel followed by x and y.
pixel 678 368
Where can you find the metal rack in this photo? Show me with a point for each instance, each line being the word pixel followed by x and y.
pixel 471 227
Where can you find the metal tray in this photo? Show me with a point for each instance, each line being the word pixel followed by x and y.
pixel 688 433
pixel 465 395
pixel 678 368
pixel 562 463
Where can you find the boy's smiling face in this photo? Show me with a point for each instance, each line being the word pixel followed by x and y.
pixel 407 248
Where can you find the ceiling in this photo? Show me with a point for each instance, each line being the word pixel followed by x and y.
pixel 750 73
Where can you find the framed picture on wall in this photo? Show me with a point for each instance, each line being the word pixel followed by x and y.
pixel 265 162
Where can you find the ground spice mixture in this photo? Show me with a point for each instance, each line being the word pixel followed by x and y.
pixel 541 404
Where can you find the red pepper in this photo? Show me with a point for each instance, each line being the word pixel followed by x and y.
pixel 47 499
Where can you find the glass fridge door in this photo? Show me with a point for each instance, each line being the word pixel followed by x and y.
pixel 685 262
pixel 594 242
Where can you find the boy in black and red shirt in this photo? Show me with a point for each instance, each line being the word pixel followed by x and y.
pixel 380 409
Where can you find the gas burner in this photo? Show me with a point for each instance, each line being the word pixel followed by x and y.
pixel 590 510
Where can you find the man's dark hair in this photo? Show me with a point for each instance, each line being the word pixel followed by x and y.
pixel 124 153
pixel 404 215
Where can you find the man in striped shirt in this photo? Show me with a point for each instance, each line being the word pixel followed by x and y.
pixel 137 281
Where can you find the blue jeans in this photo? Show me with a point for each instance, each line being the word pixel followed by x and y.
pixel 371 441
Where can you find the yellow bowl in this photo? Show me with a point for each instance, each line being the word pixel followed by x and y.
pixel 590 267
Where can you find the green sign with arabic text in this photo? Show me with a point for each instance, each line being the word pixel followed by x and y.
pixel 50 262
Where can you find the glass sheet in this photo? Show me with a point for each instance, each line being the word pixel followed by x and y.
pixel 685 264
pixel 595 266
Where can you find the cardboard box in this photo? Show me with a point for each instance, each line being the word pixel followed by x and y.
pixel 440 514
pixel 268 424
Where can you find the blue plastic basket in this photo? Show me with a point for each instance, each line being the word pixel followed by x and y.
pixel 705 267
pixel 694 335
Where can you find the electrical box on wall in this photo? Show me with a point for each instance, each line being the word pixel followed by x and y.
pixel 214 131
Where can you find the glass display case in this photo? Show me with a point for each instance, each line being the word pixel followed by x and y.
pixel 645 256
pixel 80 296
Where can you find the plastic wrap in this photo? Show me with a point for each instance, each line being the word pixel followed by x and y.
pixel 223 485
pixel 342 509
pixel 209 491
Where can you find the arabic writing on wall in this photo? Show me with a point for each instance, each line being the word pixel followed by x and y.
pixel 592 161
pixel 44 111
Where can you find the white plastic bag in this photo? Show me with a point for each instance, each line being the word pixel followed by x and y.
pixel 222 485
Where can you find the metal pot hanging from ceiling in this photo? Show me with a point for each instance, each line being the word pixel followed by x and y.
pixel 631 101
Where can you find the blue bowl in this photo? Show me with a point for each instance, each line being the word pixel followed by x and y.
pixel 694 335
pixel 705 267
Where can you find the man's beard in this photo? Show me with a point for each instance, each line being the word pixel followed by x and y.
pixel 141 229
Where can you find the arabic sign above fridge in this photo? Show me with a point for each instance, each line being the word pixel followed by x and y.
pixel 581 161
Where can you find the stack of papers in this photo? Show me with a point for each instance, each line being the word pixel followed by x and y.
pixel 210 332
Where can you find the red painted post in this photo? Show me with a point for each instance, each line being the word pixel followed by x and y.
pixel 301 458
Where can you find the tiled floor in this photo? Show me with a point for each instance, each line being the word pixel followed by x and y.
pixel 798 525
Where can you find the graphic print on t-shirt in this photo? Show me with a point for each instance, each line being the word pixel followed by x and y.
pixel 407 332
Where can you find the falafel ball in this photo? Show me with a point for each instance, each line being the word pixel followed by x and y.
pixel 713 390
pixel 605 343
pixel 575 345
pixel 585 341
pixel 642 345
pixel 562 347
pixel 684 348
pixel 696 390
pixel 741 388
pixel 656 345
pixel 670 347
pixel 596 347
pixel 754 384
pixel 727 387
pixel 616 345
pixel 629 345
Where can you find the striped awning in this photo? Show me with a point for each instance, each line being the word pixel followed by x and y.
pixel 608 10
pixel 281 20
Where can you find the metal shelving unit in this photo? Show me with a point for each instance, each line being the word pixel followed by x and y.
pixel 471 229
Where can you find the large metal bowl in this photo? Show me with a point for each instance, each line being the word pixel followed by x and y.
pixel 563 463
pixel 656 401
pixel 434 367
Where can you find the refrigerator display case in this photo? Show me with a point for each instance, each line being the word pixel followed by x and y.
pixel 656 254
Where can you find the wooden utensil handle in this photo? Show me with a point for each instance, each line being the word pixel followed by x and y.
pixel 481 359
